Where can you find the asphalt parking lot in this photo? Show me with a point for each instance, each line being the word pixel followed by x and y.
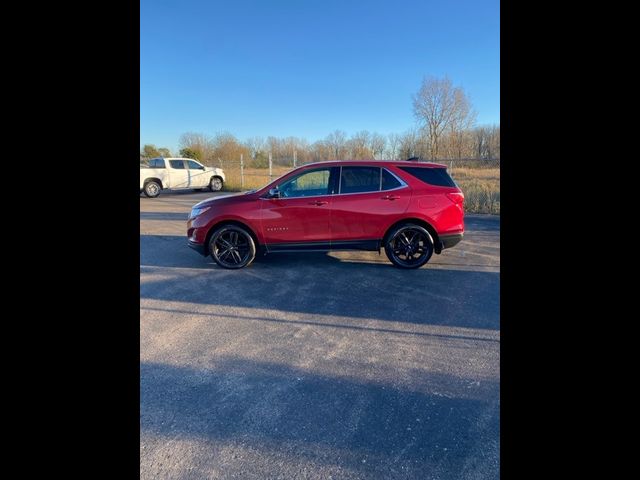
pixel 317 365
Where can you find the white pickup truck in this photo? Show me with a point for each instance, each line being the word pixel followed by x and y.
pixel 161 173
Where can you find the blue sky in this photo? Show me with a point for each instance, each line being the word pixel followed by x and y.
pixel 307 67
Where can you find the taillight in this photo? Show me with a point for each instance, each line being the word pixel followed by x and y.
pixel 457 197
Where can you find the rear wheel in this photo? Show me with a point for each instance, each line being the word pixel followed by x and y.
pixel 152 189
pixel 232 247
pixel 216 184
pixel 409 246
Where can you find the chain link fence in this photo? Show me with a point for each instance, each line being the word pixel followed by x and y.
pixel 479 179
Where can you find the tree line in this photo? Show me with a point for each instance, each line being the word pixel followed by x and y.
pixel 445 130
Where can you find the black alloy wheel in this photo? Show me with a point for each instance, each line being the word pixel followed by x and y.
pixel 409 246
pixel 232 247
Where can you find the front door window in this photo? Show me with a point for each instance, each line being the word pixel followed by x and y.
pixel 309 184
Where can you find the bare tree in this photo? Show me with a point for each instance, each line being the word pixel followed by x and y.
pixel 337 142
pixel 377 144
pixel 358 146
pixel 458 140
pixel 226 147
pixel 494 142
pixel 393 146
pixel 485 142
pixel 200 143
pixel 439 107
pixel 409 144
pixel 255 145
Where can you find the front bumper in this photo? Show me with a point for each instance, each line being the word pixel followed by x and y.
pixel 198 247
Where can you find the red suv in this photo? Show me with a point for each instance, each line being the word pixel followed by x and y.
pixel 411 209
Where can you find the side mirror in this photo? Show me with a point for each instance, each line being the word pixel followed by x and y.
pixel 274 193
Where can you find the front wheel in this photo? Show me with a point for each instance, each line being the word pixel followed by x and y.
pixel 232 247
pixel 215 185
pixel 409 246
pixel 152 189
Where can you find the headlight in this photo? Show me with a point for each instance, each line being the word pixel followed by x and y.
pixel 197 211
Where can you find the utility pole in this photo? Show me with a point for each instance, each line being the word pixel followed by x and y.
pixel 241 172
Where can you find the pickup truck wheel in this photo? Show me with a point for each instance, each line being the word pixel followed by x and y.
pixel 152 189
pixel 232 247
pixel 215 185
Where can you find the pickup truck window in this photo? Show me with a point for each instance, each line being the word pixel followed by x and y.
pixel 176 164
pixel 156 163
pixel 193 165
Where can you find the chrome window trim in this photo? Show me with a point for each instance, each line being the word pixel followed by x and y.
pixel 402 182
pixel 403 185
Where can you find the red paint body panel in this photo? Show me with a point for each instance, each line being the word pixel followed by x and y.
pixel 296 219
pixel 344 217
pixel 366 216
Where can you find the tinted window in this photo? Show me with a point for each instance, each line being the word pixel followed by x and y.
pixel 176 164
pixel 432 176
pixel 389 181
pixel 193 165
pixel 360 179
pixel 307 184
pixel 156 163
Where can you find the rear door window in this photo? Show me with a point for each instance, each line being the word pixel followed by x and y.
pixel 156 163
pixel 179 164
pixel 360 179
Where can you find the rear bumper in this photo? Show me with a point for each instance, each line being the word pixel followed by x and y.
pixel 448 241
pixel 198 247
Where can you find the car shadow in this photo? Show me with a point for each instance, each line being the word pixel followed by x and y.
pixel 440 426
pixel 164 216
pixel 323 284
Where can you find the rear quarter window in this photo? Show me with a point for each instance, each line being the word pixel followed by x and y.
pixel 431 176
pixel 156 163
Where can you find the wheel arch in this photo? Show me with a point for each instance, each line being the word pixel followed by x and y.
pixel 152 179
pixel 237 223
pixel 418 221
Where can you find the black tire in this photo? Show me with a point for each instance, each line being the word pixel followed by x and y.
pixel 409 246
pixel 216 184
pixel 232 247
pixel 152 189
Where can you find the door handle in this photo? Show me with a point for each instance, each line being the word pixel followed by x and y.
pixel 318 202
pixel 390 197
